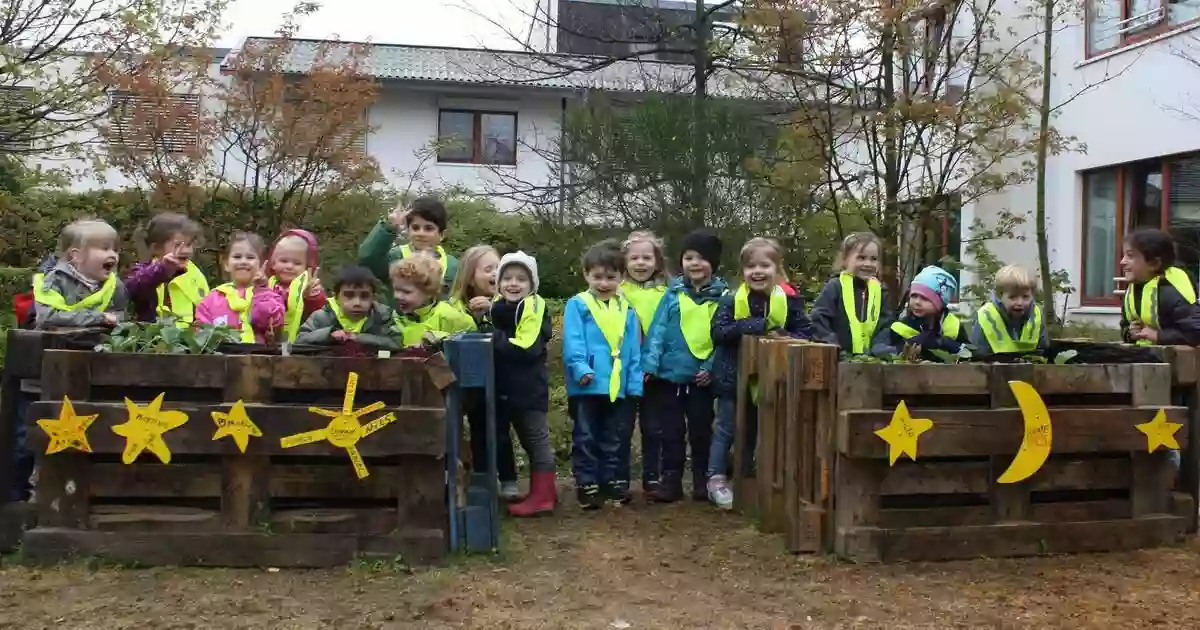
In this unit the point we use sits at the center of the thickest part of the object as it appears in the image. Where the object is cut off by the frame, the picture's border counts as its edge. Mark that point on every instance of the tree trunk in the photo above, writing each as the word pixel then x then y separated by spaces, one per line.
pixel 1043 150
pixel 699 130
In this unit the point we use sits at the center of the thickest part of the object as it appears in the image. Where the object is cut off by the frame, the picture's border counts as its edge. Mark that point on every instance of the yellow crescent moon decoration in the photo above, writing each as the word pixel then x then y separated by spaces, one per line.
pixel 1035 447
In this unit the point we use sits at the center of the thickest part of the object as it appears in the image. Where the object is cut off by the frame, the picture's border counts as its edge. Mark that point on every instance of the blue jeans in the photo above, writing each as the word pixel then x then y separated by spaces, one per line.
pixel 22 457
pixel 723 434
pixel 600 433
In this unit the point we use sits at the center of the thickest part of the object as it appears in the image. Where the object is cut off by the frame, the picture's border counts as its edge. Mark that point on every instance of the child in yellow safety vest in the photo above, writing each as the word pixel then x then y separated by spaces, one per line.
pixel 764 304
pixel 851 308
pixel 422 318
pixel 928 323
pixel 169 284
pixel 644 285
pixel 1011 323
pixel 602 356
pixel 352 317
pixel 1157 312
pixel 245 303
pixel 294 270
pixel 679 354
pixel 82 289
pixel 522 329
pixel 474 287
pixel 424 224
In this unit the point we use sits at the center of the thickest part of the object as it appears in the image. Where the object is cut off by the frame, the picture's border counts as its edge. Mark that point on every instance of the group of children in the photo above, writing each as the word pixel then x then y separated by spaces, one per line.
pixel 639 345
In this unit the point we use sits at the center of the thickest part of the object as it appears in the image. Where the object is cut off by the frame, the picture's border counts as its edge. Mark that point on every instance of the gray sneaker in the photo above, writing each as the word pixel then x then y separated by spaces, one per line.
pixel 510 491
pixel 719 492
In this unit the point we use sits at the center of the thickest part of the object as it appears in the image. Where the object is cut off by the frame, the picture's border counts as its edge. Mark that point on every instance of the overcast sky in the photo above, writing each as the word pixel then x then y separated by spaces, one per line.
pixel 424 22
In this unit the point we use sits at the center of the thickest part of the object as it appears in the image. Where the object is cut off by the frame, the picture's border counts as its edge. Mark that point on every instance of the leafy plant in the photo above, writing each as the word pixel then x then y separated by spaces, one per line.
pixel 1065 356
pixel 164 337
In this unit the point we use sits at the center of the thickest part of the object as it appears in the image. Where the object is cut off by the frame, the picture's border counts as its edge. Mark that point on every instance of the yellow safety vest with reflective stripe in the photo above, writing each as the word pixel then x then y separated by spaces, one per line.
pixel 294 315
pixel 611 321
pixel 407 250
pixel 776 317
pixel 186 291
pixel 996 333
pixel 241 306
pixel 347 324
pixel 529 322
pixel 861 331
pixel 695 321
pixel 951 326
pixel 645 301
pixel 1148 313
pixel 438 318
pixel 99 300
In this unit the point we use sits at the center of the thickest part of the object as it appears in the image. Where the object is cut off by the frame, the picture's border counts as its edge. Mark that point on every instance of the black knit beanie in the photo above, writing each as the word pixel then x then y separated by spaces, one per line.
pixel 703 242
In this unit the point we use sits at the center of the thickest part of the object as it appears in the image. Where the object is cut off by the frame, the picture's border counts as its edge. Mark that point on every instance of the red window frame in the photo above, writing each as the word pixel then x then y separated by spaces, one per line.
pixel 1128 39
pixel 477 136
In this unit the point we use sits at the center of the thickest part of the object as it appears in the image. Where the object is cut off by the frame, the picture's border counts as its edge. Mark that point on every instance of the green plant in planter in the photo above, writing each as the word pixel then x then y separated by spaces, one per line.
pixel 164 337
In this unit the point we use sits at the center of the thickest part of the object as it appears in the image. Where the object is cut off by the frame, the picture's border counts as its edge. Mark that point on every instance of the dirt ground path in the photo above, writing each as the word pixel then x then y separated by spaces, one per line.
pixel 681 566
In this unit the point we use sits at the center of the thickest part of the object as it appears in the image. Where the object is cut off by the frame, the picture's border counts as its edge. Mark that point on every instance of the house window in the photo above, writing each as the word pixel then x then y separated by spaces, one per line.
pixel 469 137
pixel 1112 24
pixel 1163 193
pixel 15 118
pixel 142 123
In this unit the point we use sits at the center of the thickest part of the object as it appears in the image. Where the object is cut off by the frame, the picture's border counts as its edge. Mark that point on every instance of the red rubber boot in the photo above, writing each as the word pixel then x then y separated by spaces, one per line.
pixel 542 496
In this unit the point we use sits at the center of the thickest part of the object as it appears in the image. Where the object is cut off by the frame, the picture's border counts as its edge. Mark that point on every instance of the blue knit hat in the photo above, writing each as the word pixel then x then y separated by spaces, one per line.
pixel 936 285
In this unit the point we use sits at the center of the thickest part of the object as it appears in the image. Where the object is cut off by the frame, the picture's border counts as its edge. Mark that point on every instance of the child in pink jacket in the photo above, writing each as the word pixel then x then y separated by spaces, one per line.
pixel 246 303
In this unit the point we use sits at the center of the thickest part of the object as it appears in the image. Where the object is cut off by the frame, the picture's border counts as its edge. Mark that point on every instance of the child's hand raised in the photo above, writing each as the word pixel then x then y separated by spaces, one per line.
pixel 479 305
pixel 314 288
pixel 397 218
pixel 174 260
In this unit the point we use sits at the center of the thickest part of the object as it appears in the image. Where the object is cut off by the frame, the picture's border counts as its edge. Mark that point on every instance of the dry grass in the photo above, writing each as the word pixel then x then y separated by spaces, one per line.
pixel 681 566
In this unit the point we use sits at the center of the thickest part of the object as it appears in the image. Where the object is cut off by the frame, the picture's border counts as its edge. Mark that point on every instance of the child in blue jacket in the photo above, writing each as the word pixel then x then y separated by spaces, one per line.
pixel 679 353
pixel 602 356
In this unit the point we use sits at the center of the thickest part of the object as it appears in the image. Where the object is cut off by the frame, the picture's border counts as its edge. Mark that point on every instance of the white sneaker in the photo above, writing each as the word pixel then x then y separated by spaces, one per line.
pixel 509 491
pixel 719 492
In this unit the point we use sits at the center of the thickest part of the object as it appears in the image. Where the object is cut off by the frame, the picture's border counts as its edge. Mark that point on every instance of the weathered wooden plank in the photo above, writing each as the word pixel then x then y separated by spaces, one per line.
pixel 857 495
pixel 1009 539
pixel 773 419
pixel 981 432
pixel 153 518
pixel 362 521
pixel 244 478
pixel 421 493
pixel 1150 384
pixel 982 514
pixel 297 481
pixel 1066 473
pixel 925 379
pixel 15 518
pixel 859 386
pixel 226 549
pixel 1152 479
pixel 23 355
pixel 64 480
pixel 332 372
pixel 1009 501
pixel 1081 379
pixel 745 488
pixel 936 477
pixel 416 431
pixel 199 371
pixel 146 480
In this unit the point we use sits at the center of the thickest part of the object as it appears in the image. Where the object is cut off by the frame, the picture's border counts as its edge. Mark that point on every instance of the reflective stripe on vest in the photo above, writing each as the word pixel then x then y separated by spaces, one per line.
pixel 695 321
pixel 423 320
pixel 860 331
pixel 996 333
pixel 347 324
pixel 1148 313
pixel 644 300
pixel 98 300
pixel 407 250
pixel 951 326
pixel 241 306
pixel 185 291
pixel 776 317
pixel 611 321
pixel 529 322
pixel 294 315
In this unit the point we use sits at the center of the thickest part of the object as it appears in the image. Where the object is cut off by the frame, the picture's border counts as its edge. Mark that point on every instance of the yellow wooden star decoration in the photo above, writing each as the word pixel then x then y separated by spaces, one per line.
pixel 1159 432
pixel 902 432
pixel 145 428
pixel 344 431
pixel 68 430
pixel 235 423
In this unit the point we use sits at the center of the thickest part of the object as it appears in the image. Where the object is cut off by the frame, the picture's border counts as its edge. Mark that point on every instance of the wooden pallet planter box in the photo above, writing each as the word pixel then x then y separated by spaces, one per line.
pixel 213 505
pixel 1100 490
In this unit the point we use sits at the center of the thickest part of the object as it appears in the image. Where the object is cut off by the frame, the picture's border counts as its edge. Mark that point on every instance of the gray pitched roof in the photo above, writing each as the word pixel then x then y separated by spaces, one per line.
pixel 507 68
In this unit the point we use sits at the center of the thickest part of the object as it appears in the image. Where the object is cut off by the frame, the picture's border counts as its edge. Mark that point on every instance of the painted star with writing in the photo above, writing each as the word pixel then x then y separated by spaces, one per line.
pixel 68 431
pixel 902 433
pixel 1159 432
pixel 235 424
pixel 145 428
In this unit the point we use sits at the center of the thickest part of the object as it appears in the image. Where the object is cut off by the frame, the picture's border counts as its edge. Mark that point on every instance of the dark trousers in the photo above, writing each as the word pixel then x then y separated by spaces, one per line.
pixel 685 415
pixel 651 432
pixel 600 432
pixel 22 457
pixel 506 463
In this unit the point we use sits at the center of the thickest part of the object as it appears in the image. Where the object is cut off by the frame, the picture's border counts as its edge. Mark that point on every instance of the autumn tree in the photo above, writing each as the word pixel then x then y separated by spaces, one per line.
pixel 278 132
pixel 56 57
